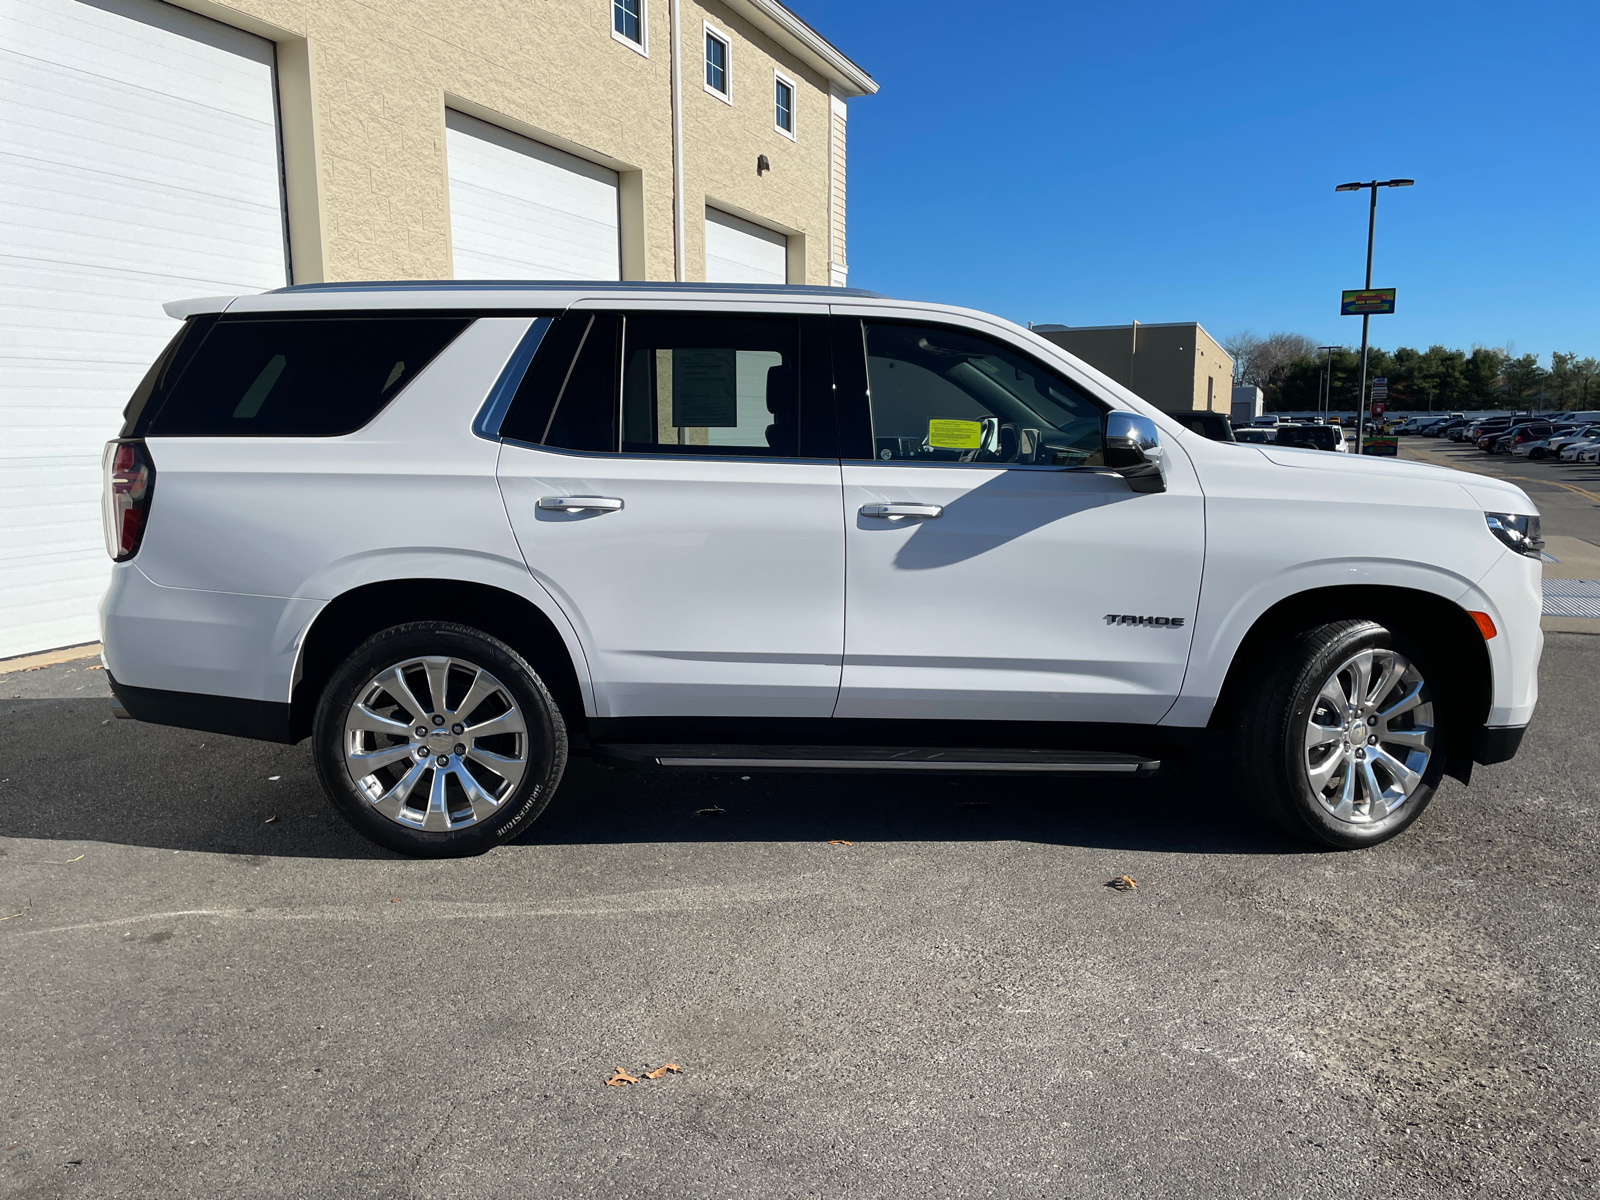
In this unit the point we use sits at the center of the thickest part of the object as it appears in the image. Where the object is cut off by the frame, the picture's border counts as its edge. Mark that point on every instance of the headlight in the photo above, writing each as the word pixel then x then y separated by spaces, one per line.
pixel 1520 534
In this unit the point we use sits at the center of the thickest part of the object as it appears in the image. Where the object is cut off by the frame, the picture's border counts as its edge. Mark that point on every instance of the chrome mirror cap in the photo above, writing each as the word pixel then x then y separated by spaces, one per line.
pixel 1133 450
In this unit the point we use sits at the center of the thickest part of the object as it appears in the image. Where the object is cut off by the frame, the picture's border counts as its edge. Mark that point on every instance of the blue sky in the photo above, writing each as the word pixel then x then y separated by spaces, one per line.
pixel 1095 163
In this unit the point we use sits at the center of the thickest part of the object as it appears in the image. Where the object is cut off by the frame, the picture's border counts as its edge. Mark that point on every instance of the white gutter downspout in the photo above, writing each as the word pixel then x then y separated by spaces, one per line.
pixel 677 147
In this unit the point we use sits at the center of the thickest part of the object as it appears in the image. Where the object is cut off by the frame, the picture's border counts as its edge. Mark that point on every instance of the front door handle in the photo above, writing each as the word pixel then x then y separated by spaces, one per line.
pixel 579 503
pixel 892 511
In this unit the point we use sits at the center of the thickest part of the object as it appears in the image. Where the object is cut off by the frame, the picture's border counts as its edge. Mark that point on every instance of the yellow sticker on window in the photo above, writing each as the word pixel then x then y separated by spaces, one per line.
pixel 955 435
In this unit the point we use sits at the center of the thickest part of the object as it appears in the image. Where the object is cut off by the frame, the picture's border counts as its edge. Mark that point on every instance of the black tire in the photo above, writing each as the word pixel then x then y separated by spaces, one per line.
pixel 1268 742
pixel 542 748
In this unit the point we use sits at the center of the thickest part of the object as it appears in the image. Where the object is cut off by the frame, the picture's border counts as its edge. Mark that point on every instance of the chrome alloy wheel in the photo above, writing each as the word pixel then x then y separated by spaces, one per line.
pixel 443 719
pixel 1370 737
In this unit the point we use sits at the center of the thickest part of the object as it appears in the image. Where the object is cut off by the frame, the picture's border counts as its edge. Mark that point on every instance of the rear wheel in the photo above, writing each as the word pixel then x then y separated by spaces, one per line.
pixel 1340 744
pixel 437 740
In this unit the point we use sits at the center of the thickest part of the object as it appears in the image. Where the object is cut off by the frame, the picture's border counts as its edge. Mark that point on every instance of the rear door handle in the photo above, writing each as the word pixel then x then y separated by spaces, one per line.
pixel 891 511
pixel 579 503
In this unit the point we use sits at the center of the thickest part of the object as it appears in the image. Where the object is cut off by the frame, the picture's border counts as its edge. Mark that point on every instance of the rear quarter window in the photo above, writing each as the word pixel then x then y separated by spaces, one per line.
pixel 299 377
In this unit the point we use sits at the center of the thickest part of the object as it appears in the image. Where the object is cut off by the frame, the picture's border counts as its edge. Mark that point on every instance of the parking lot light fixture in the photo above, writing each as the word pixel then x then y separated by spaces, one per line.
pixel 1325 391
pixel 1372 221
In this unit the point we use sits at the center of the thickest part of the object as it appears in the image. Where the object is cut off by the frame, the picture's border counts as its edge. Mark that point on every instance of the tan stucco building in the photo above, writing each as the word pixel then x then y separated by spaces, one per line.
pixel 158 151
pixel 364 90
pixel 1175 365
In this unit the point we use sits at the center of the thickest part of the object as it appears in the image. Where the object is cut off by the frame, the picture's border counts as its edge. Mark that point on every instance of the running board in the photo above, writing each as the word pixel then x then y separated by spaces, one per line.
pixel 880 758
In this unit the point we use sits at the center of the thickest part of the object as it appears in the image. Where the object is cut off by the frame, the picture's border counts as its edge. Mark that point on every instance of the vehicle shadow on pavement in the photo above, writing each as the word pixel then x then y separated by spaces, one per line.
pixel 88 778
pixel 1173 813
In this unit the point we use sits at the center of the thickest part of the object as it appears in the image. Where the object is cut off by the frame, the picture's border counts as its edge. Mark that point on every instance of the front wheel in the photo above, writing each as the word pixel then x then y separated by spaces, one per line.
pixel 437 740
pixel 1340 742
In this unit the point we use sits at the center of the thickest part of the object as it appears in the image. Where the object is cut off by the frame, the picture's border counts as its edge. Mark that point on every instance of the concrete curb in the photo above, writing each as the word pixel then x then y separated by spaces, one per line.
pixel 32 662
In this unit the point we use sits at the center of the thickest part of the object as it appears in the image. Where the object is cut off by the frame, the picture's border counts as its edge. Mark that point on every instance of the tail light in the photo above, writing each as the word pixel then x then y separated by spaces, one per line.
pixel 130 479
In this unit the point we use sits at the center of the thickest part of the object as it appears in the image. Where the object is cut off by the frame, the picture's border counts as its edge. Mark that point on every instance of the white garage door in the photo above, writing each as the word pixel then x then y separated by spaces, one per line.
pixel 523 210
pixel 738 251
pixel 138 164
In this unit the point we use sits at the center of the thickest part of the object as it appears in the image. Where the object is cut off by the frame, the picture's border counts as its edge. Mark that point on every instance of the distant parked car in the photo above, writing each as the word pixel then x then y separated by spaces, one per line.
pixel 1255 435
pixel 1486 434
pixel 1213 425
pixel 1537 448
pixel 1311 437
pixel 1573 451
pixel 1574 435
pixel 1530 431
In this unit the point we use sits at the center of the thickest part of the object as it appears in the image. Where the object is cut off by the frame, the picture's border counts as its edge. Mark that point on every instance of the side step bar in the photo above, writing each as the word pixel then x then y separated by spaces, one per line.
pixel 879 758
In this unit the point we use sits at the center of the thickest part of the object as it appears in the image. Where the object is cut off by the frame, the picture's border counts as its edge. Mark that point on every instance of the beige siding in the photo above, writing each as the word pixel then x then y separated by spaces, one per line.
pixel 838 165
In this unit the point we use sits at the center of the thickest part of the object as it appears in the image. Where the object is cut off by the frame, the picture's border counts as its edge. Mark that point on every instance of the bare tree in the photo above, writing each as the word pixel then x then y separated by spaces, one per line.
pixel 1240 347
pixel 1265 361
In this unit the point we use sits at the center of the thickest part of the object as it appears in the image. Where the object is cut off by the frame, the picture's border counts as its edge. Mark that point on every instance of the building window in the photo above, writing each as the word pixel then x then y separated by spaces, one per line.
pixel 783 105
pixel 627 23
pixel 717 64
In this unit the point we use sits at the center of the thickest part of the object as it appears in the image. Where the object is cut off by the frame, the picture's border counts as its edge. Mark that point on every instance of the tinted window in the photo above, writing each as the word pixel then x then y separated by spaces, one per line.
pixel 1314 437
pixel 942 395
pixel 151 393
pixel 585 416
pixel 710 385
pixel 300 377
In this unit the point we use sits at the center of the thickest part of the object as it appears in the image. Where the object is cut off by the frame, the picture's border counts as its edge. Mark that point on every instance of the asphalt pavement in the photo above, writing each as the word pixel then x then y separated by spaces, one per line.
pixel 211 987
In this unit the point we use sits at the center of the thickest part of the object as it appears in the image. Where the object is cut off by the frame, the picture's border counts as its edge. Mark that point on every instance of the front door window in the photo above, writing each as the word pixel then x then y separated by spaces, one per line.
pixel 940 395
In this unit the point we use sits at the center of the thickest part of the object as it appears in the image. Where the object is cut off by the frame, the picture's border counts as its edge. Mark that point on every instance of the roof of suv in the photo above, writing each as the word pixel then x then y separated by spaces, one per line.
pixel 498 293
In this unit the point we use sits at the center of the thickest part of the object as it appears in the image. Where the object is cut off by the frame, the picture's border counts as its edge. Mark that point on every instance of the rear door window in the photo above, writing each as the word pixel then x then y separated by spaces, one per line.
pixel 720 386
pixel 299 377
pixel 706 385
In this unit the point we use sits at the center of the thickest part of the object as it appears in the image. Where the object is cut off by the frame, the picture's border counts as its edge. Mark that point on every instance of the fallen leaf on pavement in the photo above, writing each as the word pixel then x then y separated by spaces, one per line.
pixel 662 1070
pixel 94 668
pixel 1123 883
pixel 840 842
pixel 620 1079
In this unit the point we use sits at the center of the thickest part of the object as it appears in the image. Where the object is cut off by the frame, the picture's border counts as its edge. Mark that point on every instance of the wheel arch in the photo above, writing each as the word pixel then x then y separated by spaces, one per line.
pixel 1440 625
pixel 355 615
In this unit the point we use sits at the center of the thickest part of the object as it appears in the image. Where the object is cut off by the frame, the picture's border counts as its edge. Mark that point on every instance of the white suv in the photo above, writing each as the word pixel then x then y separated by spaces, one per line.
pixel 453 531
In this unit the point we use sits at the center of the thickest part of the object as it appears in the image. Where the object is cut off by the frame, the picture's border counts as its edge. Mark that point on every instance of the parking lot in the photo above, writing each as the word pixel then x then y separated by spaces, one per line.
pixel 872 987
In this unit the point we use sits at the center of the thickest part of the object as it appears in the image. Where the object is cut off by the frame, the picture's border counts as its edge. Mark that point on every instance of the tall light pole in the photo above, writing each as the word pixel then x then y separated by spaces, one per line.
pixel 1372 221
pixel 1325 398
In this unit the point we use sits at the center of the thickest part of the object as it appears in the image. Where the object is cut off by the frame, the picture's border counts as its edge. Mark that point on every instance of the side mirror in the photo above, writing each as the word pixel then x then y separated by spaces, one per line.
pixel 1133 450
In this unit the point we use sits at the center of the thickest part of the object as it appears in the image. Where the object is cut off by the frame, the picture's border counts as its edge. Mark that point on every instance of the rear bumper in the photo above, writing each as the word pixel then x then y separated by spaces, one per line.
pixel 192 642
pixel 263 720
pixel 1498 743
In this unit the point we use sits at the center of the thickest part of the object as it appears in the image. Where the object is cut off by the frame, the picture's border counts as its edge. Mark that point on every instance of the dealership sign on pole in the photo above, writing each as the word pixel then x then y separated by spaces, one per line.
pixel 1366 302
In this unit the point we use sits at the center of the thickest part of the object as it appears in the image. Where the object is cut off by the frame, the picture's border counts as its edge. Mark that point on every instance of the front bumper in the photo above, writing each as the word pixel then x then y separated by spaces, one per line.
pixel 1498 744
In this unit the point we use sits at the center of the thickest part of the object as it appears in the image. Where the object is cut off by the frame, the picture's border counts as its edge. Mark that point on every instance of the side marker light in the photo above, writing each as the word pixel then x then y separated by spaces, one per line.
pixel 1485 624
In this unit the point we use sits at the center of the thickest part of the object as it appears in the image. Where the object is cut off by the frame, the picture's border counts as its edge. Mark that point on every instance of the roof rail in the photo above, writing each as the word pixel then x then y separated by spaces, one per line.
pixel 570 285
